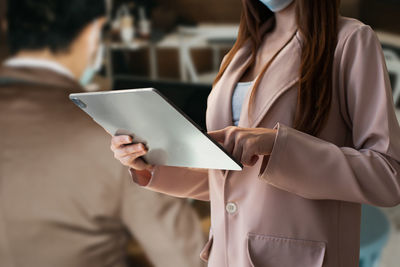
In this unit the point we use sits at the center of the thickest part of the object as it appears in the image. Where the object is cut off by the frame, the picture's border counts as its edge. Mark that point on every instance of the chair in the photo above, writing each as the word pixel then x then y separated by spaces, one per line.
pixel 212 36
pixel 393 65
pixel 375 230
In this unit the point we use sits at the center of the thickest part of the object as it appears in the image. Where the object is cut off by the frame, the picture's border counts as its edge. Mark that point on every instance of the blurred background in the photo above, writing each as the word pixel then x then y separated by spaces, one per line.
pixel 177 44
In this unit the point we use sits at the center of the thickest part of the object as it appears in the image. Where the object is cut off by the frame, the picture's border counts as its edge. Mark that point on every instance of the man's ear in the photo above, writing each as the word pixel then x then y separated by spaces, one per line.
pixel 102 21
pixel 83 48
pixel 93 28
pixel 98 25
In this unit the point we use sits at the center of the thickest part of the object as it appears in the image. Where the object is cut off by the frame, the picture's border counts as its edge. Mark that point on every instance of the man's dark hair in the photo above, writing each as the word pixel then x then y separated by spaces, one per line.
pixel 53 24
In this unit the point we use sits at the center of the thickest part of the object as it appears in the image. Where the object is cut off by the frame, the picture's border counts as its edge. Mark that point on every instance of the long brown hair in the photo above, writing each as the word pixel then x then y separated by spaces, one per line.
pixel 317 22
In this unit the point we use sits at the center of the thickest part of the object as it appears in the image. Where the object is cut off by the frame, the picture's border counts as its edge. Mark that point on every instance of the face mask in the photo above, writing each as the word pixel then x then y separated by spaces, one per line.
pixel 276 5
pixel 94 67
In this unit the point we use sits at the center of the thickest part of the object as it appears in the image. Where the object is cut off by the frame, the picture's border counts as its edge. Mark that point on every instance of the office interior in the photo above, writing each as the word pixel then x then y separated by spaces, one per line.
pixel 172 45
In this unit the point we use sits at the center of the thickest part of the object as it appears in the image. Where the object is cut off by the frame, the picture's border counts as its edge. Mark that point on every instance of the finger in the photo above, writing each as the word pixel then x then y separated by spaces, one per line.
pixel 240 139
pixel 229 145
pixel 230 139
pixel 253 160
pixel 130 149
pixel 130 160
pixel 118 141
pixel 131 156
pixel 218 136
pixel 249 156
pixel 250 160
pixel 141 164
pixel 136 161
pixel 150 167
pixel 237 152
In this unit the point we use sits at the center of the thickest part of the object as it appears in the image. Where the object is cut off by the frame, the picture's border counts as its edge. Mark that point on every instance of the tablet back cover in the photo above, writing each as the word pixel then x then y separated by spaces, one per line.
pixel 171 137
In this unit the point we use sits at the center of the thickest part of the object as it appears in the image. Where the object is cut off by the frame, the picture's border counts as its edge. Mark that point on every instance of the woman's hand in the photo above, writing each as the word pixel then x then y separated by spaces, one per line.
pixel 129 154
pixel 246 144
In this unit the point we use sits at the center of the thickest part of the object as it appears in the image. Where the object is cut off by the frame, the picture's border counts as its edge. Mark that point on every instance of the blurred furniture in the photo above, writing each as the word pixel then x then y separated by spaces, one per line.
pixel 204 36
pixel 135 45
pixel 375 230
pixel 214 36
pixel 389 39
pixel 393 65
pixel 391 49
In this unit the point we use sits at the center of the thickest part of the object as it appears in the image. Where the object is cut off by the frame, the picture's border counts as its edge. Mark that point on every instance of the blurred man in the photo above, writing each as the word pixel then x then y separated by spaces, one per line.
pixel 58 206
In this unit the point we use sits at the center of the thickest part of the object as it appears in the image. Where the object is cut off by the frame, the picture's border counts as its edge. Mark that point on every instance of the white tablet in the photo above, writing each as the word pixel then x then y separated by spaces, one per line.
pixel 172 138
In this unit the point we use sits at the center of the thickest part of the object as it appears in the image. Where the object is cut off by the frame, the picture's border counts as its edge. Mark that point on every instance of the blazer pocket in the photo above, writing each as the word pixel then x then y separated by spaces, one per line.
pixel 205 252
pixel 269 251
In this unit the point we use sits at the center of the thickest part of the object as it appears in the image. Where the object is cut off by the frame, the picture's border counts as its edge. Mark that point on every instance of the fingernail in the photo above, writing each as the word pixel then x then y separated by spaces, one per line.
pixel 128 139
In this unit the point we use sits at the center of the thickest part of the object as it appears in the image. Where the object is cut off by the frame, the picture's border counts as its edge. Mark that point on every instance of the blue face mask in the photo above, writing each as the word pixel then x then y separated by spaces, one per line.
pixel 91 70
pixel 276 5
pixel 87 76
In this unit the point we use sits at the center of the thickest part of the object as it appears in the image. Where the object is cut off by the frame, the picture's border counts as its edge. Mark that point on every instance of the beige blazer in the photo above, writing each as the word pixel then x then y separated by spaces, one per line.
pixel 64 199
pixel 304 209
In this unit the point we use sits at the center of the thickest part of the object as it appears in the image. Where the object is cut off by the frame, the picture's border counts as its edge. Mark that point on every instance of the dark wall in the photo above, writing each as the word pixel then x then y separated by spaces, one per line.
pixel 205 10
pixel 381 14
pixel 3 43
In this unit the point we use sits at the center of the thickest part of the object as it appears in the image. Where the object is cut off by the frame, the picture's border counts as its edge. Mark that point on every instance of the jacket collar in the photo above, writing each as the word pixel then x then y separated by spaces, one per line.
pixel 38 63
pixel 281 76
pixel 38 76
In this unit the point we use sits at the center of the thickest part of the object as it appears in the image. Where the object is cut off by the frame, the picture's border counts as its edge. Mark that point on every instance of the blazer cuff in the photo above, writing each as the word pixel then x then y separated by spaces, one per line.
pixel 154 181
pixel 274 164
pixel 142 178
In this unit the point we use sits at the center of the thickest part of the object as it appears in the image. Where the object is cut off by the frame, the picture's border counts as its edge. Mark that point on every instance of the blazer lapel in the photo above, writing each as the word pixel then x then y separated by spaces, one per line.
pixel 282 75
pixel 219 111
pixel 219 106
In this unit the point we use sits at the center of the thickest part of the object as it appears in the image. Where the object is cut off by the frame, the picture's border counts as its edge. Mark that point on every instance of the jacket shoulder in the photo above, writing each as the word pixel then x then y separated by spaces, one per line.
pixel 349 27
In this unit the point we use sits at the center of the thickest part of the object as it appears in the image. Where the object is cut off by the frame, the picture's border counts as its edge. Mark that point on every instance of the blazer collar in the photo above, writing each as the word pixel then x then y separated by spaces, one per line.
pixel 39 76
pixel 281 76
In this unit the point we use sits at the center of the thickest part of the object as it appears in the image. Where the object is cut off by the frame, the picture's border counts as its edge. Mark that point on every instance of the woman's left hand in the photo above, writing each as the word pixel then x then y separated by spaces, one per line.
pixel 246 144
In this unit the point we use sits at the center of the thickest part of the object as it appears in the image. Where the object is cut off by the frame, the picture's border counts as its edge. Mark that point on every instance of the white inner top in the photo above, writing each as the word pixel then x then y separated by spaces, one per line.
pixel 38 63
pixel 238 97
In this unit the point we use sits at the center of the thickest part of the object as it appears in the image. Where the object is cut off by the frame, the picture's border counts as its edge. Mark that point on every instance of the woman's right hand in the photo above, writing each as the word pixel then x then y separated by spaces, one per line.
pixel 130 154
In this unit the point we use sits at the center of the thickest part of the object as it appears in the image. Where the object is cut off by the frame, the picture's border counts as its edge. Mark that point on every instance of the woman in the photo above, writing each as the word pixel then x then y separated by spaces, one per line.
pixel 317 135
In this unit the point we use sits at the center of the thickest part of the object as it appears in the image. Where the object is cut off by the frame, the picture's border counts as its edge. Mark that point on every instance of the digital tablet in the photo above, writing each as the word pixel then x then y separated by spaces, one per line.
pixel 171 137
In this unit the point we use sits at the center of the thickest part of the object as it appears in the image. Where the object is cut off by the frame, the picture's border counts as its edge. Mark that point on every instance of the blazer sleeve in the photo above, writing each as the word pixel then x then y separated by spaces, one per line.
pixel 163 225
pixel 368 172
pixel 179 182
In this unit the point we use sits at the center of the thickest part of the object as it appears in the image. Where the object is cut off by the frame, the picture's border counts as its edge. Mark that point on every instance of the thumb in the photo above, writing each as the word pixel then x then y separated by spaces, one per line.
pixel 253 160
pixel 218 136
